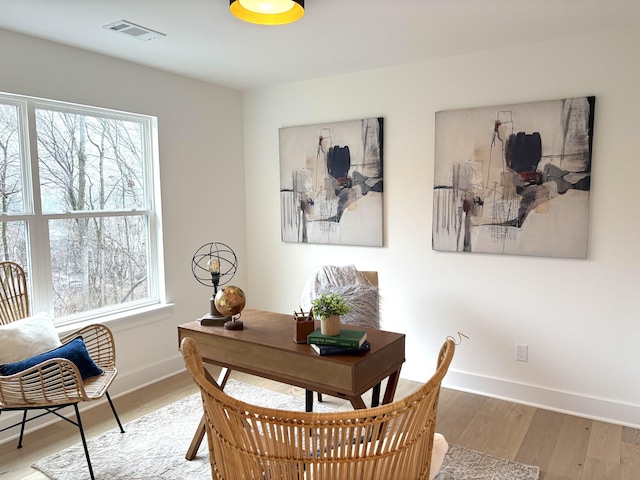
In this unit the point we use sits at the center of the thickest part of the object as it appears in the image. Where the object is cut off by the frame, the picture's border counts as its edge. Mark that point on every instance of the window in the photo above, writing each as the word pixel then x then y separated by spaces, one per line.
pixel 80 207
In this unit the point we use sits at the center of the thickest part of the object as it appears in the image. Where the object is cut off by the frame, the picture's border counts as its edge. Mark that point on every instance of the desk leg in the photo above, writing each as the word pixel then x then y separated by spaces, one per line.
pixel 357 403
pixel 197 440
pixel 222 378
pixel 390 391
pixel 202 428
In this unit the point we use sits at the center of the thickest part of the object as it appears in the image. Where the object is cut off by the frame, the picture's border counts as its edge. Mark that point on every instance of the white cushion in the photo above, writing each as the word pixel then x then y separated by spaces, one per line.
pixel 440 447
pixel 27 337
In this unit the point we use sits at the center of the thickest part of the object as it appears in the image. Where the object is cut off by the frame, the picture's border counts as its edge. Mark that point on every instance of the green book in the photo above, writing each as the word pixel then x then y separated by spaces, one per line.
pixel 346 338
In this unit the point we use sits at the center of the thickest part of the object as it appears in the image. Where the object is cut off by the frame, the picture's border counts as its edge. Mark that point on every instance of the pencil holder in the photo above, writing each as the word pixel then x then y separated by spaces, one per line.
pixel 303 325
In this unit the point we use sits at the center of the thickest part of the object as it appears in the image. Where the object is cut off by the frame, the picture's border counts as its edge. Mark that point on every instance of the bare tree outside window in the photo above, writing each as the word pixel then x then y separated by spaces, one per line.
pixel 12 233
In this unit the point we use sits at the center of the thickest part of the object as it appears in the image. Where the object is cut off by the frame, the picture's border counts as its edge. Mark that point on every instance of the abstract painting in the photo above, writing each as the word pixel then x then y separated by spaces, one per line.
pixel 514 179
pixel 331 183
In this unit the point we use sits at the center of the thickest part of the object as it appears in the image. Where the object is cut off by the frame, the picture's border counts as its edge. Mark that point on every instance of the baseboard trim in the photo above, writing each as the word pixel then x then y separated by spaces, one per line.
pixel 602 409
pixel 144 377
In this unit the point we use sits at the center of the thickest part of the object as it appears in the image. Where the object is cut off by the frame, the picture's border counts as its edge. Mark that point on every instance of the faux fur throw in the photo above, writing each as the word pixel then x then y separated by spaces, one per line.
pixel 354 287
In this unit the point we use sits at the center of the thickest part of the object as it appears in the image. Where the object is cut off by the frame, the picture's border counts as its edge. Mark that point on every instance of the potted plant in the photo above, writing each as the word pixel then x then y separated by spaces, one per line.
pixel 328 307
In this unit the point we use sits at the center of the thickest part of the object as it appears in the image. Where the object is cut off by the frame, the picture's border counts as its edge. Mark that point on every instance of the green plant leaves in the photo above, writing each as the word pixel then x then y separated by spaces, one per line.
pixel 329 304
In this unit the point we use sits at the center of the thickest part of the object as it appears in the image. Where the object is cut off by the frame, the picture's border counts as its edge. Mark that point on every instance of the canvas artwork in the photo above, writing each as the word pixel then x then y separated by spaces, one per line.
pixel 331 183
pixel 514 179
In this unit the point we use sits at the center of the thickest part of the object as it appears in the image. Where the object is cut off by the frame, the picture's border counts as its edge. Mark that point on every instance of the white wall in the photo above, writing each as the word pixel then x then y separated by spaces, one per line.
pixel 579 317
pixel 201 169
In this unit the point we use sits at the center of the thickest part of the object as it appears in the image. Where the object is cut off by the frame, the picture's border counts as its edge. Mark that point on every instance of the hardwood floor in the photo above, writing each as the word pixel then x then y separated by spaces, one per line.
pixel 565 447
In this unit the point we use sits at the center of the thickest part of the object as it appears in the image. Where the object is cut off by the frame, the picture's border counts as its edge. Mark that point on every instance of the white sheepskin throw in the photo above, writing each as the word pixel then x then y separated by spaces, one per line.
pixel 440 447
pixel 355 288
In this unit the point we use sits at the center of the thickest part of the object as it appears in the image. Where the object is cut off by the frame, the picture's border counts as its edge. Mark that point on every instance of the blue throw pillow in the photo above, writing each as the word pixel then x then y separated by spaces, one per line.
pixel 75 351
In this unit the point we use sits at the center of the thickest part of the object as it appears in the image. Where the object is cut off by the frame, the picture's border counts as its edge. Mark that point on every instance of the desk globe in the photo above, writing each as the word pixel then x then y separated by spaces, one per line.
pixel 230 301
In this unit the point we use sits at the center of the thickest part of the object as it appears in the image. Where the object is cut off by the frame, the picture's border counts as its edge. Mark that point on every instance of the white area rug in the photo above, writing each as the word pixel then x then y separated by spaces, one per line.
pixel 464 464
pixel 154 446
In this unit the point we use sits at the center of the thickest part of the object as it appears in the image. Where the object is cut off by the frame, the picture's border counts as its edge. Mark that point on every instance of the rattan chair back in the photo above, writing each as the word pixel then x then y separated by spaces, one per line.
pixel 14 297
pixel 392 441
pixel 55 383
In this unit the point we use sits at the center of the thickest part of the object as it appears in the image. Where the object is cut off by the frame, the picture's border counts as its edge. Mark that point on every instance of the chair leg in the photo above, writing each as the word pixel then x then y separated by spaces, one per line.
pixel 308 400
pixel 115 414
pixel 84 441
pixel 375 396
pixel 24 420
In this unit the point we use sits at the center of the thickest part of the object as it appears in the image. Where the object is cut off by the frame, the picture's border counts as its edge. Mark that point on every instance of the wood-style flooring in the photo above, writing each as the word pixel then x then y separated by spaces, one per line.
pixel 565 447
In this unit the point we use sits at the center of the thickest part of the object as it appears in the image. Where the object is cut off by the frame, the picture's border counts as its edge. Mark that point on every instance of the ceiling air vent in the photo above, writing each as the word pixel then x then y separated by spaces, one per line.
pixel 133 30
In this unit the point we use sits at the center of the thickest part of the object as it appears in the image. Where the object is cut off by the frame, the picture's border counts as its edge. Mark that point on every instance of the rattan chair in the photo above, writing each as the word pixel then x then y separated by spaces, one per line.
pixel 56 383
pixel 14 298
pixel 392 441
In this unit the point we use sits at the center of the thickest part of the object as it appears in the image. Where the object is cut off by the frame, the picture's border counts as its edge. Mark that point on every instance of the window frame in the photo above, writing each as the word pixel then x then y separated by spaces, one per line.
pixel 37 223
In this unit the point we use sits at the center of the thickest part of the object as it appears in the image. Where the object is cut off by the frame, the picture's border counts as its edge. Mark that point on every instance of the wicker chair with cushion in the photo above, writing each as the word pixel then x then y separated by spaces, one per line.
pixel 385 442
pixel 39 370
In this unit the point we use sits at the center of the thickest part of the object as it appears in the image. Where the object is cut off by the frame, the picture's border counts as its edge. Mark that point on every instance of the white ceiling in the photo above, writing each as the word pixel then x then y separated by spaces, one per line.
pixel 204 41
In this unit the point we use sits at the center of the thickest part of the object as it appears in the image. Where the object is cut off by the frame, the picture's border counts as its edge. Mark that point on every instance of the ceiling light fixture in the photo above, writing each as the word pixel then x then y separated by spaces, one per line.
pixel 267 12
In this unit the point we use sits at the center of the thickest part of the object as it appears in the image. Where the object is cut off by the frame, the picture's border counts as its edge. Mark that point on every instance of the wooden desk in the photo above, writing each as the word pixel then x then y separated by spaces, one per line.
pixel 266 348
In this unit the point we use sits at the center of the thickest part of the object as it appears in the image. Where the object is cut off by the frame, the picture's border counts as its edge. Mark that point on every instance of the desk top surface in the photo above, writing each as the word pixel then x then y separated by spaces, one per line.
pixel 276 330
pixel 265 347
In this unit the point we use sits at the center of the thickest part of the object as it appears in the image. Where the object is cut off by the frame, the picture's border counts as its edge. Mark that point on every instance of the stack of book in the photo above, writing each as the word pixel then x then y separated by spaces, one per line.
pixel 348 341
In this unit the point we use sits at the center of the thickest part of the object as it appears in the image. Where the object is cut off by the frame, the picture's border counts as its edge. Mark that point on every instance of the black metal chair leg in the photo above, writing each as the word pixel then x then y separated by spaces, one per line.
pixel 308 400
pixel 319 396
pixel 115 414
pixel 375 395
pixel 24 420
pixel 84 441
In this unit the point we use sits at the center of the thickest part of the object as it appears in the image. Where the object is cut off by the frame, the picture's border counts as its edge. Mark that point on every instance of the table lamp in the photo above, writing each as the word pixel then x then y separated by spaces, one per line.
pixel 213 265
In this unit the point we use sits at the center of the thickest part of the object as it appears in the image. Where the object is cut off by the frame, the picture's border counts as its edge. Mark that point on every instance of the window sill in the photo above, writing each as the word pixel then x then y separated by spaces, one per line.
pixel 125 320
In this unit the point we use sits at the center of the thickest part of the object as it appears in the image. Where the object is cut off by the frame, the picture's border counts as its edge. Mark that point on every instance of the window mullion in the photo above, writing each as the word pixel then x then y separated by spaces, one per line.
pixel 154 224
pixel 40 258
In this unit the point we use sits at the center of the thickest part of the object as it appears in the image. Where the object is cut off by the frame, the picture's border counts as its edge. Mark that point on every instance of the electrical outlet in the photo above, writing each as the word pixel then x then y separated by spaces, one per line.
pixel 522 352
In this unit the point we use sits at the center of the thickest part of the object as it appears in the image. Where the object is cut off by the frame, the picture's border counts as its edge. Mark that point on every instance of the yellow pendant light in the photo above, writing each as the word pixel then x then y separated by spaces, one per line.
pixel 267 12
